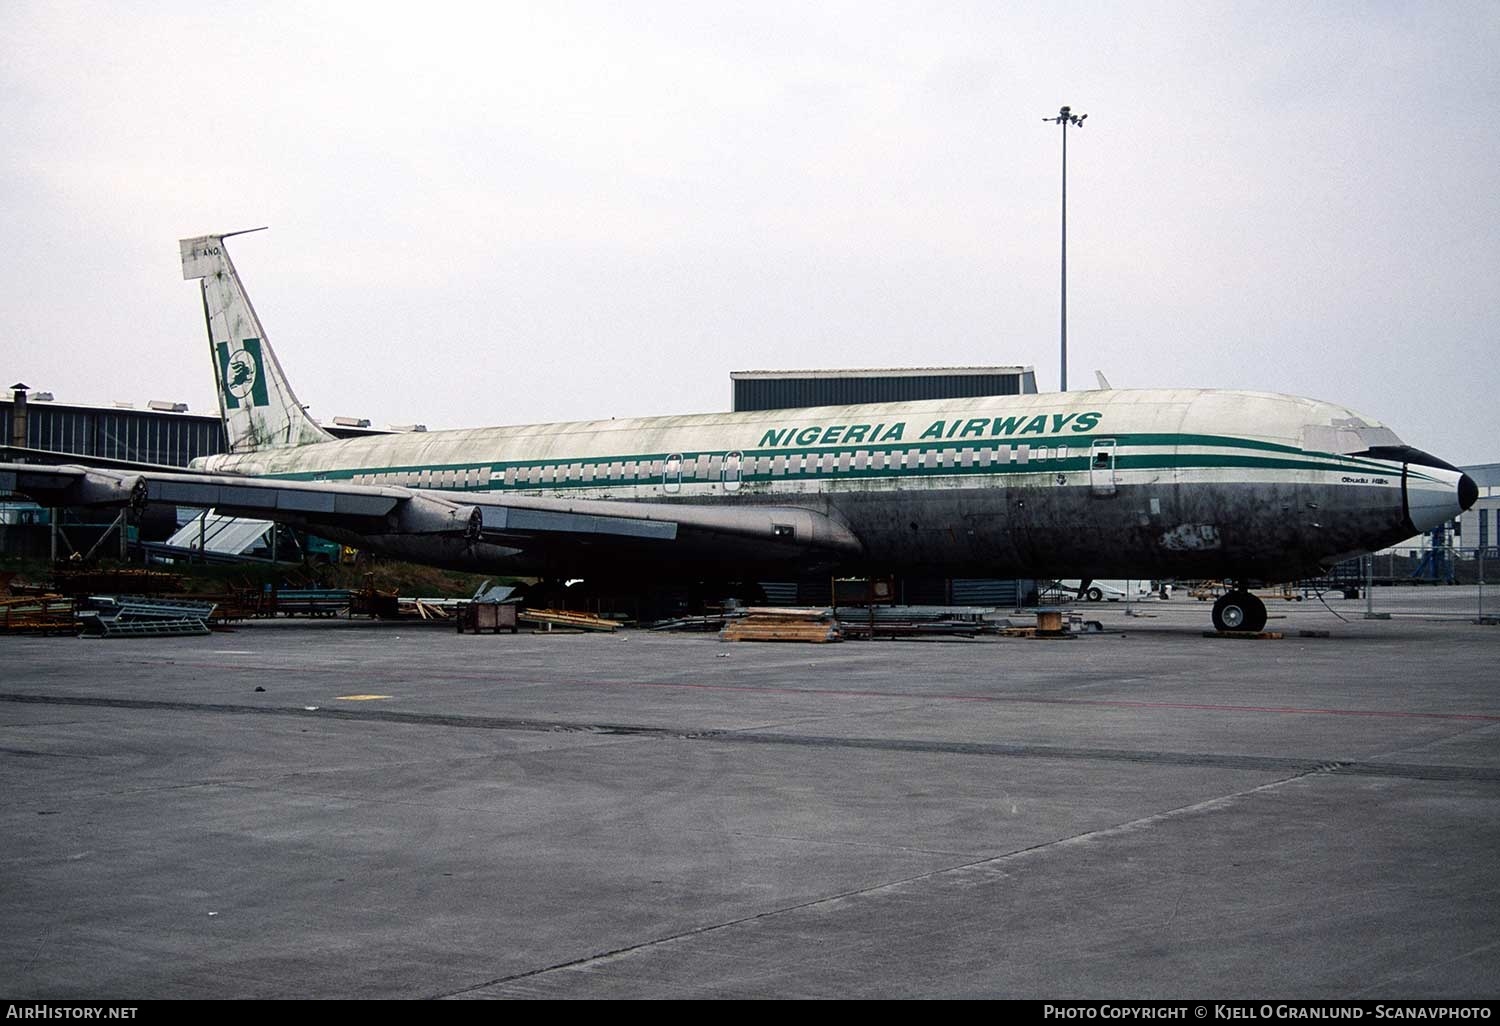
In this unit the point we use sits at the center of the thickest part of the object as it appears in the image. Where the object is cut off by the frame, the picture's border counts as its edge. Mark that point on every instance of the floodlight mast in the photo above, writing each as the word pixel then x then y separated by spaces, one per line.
pixel 1065 117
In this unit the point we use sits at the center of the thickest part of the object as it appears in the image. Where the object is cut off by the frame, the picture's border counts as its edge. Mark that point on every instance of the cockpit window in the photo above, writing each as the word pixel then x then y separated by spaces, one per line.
pixel 1348 437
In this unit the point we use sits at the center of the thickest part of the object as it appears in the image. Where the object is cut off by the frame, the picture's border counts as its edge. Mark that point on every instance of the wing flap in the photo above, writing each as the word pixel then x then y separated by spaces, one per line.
pixel 511 521
pixel 782 526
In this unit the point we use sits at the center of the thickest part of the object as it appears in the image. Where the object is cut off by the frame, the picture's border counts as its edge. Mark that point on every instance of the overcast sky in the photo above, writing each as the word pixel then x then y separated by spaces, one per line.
pixel 510 213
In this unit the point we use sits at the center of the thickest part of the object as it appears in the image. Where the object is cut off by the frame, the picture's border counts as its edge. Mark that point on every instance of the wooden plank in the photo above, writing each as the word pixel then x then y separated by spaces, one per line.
pixel 582 621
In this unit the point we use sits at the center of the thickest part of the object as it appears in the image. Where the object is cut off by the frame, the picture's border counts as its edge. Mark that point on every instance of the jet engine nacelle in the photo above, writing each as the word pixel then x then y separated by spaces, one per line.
pixel 75 486
pixel 425 515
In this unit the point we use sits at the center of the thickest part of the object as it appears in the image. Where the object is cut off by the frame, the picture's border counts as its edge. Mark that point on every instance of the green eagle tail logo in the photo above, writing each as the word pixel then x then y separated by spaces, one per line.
pixel 242 374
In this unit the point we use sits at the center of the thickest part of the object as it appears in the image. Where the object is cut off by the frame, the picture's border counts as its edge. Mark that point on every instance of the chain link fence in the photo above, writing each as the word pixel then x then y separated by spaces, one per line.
pixel 1446 582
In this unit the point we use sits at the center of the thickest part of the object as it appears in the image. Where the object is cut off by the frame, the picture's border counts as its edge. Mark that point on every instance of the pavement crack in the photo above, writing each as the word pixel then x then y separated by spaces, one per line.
pixel 1425 967
pixel 682 935
pixel 974 864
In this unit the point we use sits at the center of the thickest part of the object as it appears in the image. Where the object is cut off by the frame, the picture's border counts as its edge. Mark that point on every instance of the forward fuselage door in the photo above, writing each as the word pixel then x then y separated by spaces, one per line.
pixel 671 478
pixel 731 472
pixel 1102 467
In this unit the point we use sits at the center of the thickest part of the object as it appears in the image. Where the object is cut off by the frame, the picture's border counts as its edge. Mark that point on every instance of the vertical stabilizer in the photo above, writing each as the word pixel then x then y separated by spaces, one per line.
pixel 260 410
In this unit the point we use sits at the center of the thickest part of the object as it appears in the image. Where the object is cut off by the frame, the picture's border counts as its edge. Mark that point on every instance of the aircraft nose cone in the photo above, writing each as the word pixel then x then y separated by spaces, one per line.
pixel 1468 492
pixel 1435 495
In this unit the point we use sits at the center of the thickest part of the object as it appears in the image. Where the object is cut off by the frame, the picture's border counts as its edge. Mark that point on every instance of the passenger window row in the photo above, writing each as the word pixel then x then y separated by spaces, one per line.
pixel 729 468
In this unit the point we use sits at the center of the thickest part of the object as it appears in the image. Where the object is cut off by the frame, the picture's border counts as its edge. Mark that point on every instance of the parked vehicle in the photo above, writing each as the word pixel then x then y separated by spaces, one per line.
pixel 1102 591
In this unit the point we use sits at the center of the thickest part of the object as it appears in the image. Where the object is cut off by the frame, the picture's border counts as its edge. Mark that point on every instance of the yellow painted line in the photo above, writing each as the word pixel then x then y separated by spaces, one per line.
pixel 360 698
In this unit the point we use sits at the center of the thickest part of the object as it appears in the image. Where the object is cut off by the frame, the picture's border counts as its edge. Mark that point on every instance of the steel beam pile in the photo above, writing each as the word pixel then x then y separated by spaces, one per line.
pixel 131 616
pixel 911 621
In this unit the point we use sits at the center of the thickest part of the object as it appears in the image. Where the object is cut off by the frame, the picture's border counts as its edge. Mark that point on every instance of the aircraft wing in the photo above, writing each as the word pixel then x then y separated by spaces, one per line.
pixel 548 531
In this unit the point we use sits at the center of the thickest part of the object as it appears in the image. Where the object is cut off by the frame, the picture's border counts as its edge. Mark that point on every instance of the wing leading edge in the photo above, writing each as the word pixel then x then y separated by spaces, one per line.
pixel 544 532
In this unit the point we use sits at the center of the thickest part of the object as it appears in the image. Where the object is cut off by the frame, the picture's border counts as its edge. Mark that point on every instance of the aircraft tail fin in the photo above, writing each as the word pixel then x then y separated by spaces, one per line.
pixel 260 410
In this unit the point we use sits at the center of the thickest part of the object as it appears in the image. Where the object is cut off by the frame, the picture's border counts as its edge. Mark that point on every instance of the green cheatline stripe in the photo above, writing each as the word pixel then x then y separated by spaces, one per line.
pixel 1080 442
pixel 1184 461
pixel 1080 464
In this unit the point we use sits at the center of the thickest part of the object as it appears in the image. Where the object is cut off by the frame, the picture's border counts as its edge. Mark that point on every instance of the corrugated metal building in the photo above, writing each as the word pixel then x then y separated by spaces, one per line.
pixel 162 433
pixel 1479 528
pixel 169 437
pixel 786 390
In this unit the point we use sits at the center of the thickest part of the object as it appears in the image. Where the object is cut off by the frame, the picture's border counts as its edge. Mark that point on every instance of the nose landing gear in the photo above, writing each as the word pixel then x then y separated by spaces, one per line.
pixel 1239 611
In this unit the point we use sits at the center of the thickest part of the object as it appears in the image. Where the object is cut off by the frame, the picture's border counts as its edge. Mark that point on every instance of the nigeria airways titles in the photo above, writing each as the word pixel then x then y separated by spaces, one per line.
pixel 938 430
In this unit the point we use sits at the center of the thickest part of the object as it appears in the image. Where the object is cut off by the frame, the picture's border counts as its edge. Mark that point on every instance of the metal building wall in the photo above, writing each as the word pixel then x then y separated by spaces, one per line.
pixel 142 436
pixel 783 393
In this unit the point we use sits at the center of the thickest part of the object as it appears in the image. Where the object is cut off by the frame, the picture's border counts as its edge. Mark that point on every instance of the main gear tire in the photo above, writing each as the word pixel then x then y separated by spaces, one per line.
pixel 1239 611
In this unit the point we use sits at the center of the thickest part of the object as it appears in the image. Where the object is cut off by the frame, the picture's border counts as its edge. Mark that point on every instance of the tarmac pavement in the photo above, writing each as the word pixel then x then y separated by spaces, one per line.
pixel 405 812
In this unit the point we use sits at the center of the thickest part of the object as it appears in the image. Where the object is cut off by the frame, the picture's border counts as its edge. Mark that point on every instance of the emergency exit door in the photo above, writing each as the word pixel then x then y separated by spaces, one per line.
pixel 1102 467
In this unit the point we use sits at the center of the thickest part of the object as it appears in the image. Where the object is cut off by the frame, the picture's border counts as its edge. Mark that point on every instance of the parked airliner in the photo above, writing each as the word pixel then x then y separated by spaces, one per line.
pixel 1156 483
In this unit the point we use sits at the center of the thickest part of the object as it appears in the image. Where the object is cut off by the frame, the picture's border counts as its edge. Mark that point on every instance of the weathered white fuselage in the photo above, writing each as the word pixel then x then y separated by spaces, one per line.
pixel 1143 483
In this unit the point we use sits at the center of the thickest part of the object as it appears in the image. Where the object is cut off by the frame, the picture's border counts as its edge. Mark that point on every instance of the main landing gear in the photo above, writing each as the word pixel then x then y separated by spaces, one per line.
pixel 1239 611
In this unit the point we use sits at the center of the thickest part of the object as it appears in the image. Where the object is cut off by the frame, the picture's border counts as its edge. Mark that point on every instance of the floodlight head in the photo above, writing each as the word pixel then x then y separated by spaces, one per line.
pixel 1066 117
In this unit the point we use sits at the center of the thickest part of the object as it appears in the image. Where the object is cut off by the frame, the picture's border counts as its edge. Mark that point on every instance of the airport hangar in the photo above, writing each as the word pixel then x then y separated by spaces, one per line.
pixel 166 433
pixel 1479 526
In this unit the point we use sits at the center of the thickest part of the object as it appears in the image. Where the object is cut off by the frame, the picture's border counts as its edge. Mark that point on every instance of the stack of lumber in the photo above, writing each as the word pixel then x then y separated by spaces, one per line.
pixel 128 580
pixel 40 614
pixel 1205 590
pixel 551 618
pixel 761 623
pixel 231 605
